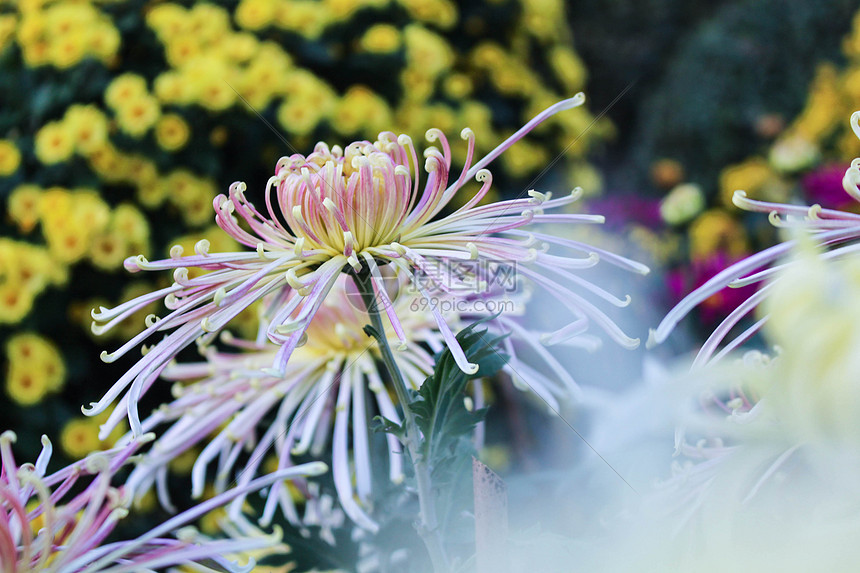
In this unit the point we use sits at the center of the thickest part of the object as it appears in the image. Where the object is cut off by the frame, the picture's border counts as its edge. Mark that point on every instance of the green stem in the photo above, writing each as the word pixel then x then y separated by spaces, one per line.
pixel 429 524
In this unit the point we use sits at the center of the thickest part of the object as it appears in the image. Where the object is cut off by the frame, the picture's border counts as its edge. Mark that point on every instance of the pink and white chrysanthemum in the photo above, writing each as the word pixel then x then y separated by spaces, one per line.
pixel 232 395
pixel 355 210
pixel 233 404
pixel 837 231
pixel 45 528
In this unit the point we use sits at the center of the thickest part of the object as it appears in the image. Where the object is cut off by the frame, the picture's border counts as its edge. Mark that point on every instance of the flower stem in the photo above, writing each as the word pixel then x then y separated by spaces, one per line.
pixel 428 527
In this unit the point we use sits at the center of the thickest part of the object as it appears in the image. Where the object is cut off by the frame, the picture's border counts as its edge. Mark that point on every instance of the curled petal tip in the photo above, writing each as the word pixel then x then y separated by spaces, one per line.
pixel 95 314
pixel 314 468
pixel 738 198
pixel 98 329
pixel 134 264
pixel 575 101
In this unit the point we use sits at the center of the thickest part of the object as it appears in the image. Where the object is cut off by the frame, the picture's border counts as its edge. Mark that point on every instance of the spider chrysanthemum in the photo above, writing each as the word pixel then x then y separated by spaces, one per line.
pixel 61 522
pixel 356 210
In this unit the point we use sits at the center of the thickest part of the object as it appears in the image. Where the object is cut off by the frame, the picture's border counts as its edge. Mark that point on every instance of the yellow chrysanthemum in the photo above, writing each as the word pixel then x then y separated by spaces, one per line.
pixel 240 47
pixel 108 250
pixel 168 20
pixel 24 206
pixel 68 49
pixel 255 14
pixel 25 386
pixel 35 368
pixel 106 161
pixel 55 142
pixel 208 22
pixel 64 17
pixel 381 39
pixel 300 117
pixel 56 202
pixel 140 170
pixel 15 302
pixel 181 50
pixel 29 267
pixel 457 86
pixel 181 185
pixel 171 87
pixel 716 230
pixel 152 194
pixel 89 126
pixel 303 17
pixel 10 157
pixel 130 222
pixel 440 13
pixel 79 437
pixel 137 115
pixel 70 225
pixel 216 94
pixel 426 51
pixel 68 243
pixel 104 41
pixel 124 88
pixel 90 210
pixel 192 195
pixel 197 210
pixel 749 176
pixel 172 132
pixel 359 109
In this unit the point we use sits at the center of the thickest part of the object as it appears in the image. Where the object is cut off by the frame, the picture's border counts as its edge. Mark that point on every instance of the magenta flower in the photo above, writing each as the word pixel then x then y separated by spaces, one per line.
pixel 824 186
pixel 833 229
pixel 355 210
pixel 45 528
pixel 720 304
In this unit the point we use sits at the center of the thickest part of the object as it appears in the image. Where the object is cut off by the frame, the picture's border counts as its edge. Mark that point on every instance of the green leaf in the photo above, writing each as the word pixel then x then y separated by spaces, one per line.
pixel 383 424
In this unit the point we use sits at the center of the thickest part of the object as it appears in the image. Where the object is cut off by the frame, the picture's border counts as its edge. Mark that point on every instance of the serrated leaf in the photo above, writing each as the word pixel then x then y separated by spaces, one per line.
pixel 383 424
